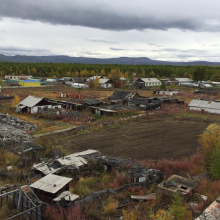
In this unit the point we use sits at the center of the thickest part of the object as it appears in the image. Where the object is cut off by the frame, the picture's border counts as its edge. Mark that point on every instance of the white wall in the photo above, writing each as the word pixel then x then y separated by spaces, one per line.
pixel 210 110
pixel 35 109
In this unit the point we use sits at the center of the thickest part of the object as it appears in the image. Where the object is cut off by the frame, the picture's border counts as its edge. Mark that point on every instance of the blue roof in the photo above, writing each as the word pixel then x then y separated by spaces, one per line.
pixel 27 81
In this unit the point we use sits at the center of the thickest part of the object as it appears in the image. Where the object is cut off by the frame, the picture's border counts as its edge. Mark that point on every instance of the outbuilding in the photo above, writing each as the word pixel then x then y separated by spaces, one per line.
pixel 50 187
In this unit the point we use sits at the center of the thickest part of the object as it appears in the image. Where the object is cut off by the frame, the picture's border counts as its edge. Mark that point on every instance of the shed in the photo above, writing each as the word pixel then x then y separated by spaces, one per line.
pixel 50 186
pixel 177 184
pixel 205 105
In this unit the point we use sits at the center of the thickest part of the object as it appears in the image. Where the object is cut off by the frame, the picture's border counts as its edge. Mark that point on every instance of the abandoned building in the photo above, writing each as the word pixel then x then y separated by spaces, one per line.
pixel 33 105
pixel 205 106
pixel 50 187
pixel 122 97
pixel 65 198
pixel 212 212
pixel 133 171
pixel 145 105
pixel 177 184
pixel 70 162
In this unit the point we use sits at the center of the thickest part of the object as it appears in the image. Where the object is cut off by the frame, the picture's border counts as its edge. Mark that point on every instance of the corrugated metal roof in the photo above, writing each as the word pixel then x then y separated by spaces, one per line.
pixel 150 80
pixel 67 195
pixel 183 79
pixel 204 104
pixel 51 183
pixel 30 101
pixel 104 80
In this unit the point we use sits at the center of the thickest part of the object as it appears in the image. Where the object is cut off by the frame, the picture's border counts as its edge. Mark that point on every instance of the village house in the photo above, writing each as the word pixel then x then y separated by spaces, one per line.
pixel 106 83
pixel 205 106
pixel 50 187
pixel 179 81
pixel 33 105
pixel 148 82
pixel 122 97
pixel 177 184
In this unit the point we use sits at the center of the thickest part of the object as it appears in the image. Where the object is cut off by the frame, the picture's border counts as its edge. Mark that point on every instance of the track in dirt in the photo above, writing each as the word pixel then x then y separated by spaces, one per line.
pixel 148 139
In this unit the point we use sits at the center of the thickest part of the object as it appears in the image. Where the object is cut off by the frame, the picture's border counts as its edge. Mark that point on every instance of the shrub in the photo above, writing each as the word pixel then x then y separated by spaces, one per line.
pixel 110 208
pixel 215 164
pixel 177 209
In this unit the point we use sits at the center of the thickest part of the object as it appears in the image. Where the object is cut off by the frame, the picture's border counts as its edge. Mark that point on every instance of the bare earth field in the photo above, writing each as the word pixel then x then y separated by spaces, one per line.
pixel 149 139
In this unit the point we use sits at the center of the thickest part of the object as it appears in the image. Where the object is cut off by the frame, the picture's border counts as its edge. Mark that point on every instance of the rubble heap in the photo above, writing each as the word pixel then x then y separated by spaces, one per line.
pixel 5 119
pixel 14 130
pixel 9 134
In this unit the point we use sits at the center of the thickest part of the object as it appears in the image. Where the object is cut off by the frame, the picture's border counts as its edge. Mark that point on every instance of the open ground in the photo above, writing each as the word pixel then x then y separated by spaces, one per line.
pixel 147 139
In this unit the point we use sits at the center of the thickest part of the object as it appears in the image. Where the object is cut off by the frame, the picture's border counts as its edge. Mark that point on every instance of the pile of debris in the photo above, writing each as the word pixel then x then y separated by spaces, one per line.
pixel 14 130
pixel 9 135
pixel 5 119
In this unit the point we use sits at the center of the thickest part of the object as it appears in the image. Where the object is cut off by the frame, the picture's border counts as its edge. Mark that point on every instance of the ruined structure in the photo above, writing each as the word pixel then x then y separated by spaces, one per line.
pixel 177 184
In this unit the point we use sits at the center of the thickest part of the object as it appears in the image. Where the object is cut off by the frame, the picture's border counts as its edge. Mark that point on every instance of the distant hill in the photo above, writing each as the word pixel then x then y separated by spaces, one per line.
pixel 86 60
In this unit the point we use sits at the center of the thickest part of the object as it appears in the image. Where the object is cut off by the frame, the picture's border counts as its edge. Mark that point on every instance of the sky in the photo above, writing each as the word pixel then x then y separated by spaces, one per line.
pixel 169 30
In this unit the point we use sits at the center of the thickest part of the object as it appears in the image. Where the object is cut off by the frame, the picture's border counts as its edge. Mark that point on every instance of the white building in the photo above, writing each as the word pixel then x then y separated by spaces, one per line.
pixel 33 105
pixel 166 92
pixel 106 83
pixel 206 106
pixel 180 81
pixel 18 77
pixel 79 86
pixel 149 81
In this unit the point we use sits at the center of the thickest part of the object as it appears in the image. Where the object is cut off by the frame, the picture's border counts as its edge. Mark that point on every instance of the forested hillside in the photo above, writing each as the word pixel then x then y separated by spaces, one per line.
pixel 59 70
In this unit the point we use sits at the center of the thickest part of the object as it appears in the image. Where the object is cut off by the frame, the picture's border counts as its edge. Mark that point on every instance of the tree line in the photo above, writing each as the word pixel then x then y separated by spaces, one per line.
pixel 54 70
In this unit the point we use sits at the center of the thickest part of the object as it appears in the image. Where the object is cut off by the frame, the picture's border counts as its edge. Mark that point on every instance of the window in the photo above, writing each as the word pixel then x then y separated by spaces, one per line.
pixel 183 187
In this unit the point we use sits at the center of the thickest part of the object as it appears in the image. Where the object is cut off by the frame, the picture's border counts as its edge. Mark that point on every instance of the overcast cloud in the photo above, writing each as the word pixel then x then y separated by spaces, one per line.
pixel 168 30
